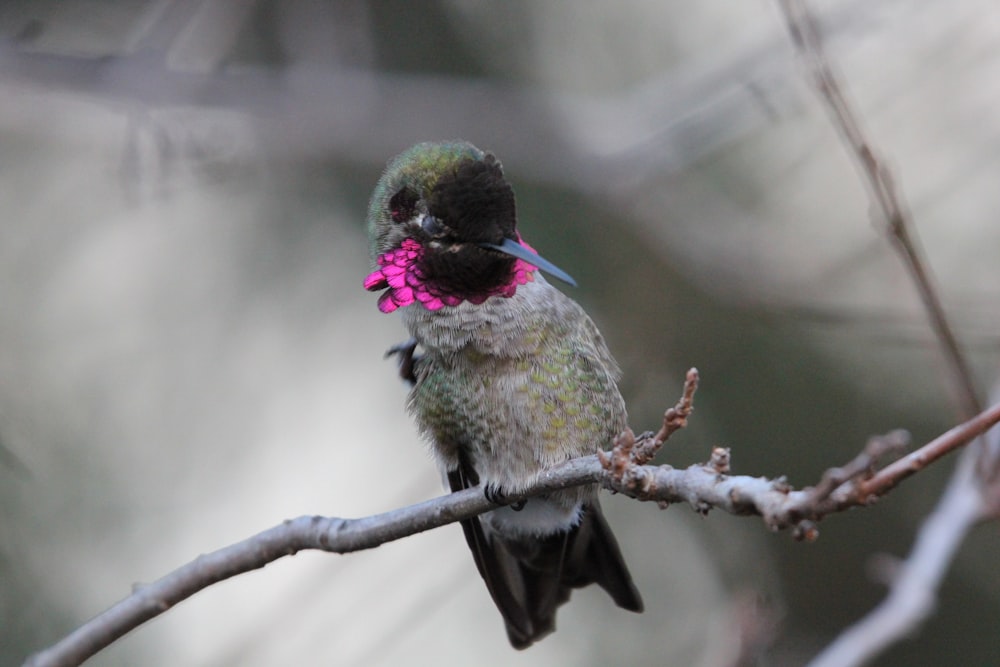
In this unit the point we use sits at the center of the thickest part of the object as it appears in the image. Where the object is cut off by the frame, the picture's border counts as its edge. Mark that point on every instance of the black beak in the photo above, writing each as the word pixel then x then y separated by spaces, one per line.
pixel 515 249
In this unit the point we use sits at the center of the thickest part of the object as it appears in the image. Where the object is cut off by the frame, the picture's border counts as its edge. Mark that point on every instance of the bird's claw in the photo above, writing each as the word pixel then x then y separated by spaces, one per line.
pixel 407 360
pixel 496 495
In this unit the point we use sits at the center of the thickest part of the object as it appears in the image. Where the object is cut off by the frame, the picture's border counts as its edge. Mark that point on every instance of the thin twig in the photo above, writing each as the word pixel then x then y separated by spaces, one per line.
pixel 893 474
pixel 912 594
pixel 863 465
pixel 642 449
pixel 709 486
pixel 895 218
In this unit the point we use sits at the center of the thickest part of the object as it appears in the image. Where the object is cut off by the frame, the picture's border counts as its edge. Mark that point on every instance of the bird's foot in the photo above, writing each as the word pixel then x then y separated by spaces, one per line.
pixel 407 360
pixel 496 495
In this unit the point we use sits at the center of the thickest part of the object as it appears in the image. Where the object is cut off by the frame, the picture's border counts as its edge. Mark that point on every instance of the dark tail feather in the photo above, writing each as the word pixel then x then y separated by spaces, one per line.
pixel 552 567
pixel 596 557
pixel 530 579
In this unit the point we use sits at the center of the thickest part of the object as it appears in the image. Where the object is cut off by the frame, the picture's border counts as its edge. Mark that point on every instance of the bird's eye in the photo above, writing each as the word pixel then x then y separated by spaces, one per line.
pixel 432 225
pixel 403 205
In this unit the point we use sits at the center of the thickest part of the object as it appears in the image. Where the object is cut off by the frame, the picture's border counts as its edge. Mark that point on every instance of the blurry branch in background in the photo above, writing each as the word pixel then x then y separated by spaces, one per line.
pixel 12 461
pixel 704 487
pixel 969 496
pixel 894 216
pixel 177 64
pixel 913 588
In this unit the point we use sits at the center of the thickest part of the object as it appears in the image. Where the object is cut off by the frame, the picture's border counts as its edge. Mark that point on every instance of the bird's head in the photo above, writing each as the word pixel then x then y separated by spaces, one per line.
pixel 442 226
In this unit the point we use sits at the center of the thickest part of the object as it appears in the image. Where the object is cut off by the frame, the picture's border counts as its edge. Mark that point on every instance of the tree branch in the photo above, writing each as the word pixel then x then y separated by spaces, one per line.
pixel 876 175
pixel 912 595
pixel 968 496
pixel 857 484
pixel 703 487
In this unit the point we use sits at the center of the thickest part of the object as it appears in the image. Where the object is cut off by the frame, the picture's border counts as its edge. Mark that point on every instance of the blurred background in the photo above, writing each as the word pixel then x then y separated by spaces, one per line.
pixel 187 355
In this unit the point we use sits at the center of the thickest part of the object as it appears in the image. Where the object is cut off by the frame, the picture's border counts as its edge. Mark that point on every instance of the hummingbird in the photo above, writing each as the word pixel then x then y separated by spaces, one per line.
pixel 512 377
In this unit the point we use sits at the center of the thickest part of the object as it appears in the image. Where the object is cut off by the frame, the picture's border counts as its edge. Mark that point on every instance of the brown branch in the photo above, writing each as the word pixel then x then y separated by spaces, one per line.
pixel 704 487
pixel 989 467
pixel 857 484
pixel 896 219
pixel 913 590
pixel 893 474
pixel 912 594
pixel 331 534
pixel 641 450
pixel 863 465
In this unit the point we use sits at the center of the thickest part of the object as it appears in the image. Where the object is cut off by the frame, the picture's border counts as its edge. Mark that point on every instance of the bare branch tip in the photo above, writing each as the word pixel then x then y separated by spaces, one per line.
pixel 781 485
pixel 806 531
pixel 691 378
pixel 674 419
pixel 892 443
pixel 720 460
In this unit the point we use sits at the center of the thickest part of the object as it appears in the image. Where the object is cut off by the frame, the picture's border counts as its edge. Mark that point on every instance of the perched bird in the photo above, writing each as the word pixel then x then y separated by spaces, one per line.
pixel 513 377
